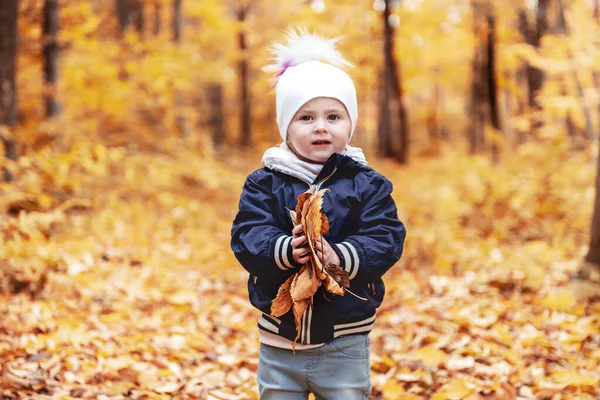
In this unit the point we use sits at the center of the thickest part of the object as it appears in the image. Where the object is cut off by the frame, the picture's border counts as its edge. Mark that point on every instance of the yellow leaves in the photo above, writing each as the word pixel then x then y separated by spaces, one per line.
pixel 431 356
pixel 455 390
pixel 394 391
pixel 558 301
pixel 576 379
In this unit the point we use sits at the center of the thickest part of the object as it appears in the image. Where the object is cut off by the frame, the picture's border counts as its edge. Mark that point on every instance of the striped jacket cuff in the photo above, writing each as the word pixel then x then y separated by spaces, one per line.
pixel 349 260
pixel 283 253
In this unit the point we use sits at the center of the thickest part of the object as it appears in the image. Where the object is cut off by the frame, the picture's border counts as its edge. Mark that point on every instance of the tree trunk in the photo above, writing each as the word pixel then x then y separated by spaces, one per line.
pixel 533 36
pixel 593 255
pixel 393 116
pixel 51 50
pixel 383 128
pixel 492 82
pixel 138 17
pixel 123 8
pixel 479 85
pixel 156 25
pixel 245 128
pixel 216 107
pixel 8 94
pixel 177 21
pixel 180 121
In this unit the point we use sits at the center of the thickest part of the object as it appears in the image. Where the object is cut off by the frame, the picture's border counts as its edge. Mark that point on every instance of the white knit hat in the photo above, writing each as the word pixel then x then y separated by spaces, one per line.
pixel 307 67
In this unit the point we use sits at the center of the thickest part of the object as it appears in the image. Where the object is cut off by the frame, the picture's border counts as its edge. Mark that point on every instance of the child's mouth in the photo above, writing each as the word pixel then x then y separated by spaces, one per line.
pixel 321 142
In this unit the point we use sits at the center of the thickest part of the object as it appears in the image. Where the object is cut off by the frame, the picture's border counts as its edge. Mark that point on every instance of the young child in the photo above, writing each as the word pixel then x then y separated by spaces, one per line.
pixel 316 114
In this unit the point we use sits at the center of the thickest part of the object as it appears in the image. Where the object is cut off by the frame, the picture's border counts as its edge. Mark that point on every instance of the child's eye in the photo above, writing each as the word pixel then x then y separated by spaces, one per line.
pixel 333 117
pixel 305 118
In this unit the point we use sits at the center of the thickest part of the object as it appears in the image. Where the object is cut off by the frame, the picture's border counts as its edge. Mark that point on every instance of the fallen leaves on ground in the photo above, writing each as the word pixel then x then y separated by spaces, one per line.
pixel 135 293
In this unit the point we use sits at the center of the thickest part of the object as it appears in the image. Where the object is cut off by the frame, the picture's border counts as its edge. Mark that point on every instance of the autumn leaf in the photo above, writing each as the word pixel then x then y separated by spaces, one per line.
pixel 283 301
pixel 304 284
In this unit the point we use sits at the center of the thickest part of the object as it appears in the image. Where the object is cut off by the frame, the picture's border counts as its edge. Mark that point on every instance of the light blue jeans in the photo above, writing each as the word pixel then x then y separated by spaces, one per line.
pixel 338 370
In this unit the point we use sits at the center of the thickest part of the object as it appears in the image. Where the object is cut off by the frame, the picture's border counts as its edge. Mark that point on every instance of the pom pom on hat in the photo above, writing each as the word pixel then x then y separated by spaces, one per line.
pixel 302 46
pixel 309 66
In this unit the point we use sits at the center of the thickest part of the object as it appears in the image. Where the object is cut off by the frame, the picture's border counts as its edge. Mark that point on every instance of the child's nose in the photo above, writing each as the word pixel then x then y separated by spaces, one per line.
pixel 320 126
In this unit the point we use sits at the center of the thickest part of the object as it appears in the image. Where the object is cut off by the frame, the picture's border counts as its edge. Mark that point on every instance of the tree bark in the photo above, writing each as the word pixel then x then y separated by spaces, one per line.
pixel 180 120
pixel 8 93
pixel 479 84
pixel 138 17
pixel 492 82
pixel 245 116
pixel 216 106
pixel 156 25
pixel 177 21
pixel 593 255
pixel 51 51
pixel 533 36
pixel 123 14
pixel 393 116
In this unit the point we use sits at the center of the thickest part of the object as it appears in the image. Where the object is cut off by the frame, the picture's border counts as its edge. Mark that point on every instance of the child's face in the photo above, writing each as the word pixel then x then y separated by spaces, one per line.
pixel 320 128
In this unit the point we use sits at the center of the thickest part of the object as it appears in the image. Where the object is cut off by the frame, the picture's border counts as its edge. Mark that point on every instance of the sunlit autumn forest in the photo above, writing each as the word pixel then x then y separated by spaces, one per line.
pixel 128 128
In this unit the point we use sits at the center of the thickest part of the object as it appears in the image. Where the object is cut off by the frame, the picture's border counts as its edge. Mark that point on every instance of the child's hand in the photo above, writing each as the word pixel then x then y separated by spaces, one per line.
pixel 325 253
pixel 301 249
pixel 300 246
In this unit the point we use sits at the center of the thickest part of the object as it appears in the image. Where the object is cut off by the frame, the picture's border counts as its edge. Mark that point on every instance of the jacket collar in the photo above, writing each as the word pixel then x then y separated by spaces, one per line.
pixel 282 159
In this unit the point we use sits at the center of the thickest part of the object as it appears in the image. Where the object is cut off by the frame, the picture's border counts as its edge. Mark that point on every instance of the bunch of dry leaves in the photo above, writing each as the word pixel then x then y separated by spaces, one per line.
pixel 297 291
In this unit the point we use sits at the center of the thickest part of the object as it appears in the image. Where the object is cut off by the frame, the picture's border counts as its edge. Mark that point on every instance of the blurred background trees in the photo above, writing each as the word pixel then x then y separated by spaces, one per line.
pixel 481 76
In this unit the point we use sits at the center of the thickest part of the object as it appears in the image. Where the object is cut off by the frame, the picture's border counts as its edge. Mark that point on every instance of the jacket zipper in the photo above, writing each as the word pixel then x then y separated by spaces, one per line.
pixel 316 186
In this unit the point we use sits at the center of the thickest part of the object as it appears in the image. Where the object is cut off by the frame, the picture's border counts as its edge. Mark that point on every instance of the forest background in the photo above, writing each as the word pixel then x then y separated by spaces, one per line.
pixel 128 128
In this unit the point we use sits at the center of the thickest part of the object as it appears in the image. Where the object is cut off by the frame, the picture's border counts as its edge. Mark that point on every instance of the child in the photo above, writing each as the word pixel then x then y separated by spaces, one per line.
pixel 316 114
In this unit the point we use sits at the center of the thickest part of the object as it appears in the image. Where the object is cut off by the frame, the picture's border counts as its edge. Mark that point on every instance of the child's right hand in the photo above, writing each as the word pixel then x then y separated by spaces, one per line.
pixel 300 249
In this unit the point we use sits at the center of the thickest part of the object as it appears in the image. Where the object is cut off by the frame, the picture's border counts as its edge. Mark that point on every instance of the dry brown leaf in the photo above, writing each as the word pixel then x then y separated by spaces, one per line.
pixel 283 302
pixel 304 285
pixel 301 200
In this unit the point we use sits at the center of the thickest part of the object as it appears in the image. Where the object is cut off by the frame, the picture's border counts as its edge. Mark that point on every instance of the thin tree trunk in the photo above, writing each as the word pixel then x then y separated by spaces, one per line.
pixel 156 25
pixel 393 116
pixel 123 15
pixel 177 21
pixel 383 128
pixel 51 50
pixel 404 129
pixel 138 17
pixel 479 85
pixel 492 82
pixel 217 120
pixel 8 93
pixel 593 255
pixel 245 128
pixel 180 121
pixel 535 76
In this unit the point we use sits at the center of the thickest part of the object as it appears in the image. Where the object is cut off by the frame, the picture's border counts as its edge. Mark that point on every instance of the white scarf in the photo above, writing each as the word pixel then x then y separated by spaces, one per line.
pixel 281 158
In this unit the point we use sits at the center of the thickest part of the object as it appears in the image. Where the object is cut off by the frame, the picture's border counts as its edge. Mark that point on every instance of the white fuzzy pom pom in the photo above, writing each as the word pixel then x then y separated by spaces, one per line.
pixel 301 47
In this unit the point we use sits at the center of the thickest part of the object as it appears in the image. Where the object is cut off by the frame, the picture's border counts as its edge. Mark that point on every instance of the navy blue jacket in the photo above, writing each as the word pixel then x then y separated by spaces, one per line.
pixel 364 231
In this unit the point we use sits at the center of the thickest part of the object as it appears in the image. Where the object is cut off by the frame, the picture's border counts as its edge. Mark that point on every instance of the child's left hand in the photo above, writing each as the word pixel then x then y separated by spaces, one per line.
pixel 325 253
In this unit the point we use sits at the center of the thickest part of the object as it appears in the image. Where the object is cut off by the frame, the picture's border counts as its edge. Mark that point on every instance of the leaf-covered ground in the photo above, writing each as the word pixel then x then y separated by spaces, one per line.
pixel 122 284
